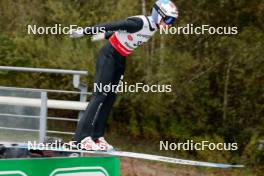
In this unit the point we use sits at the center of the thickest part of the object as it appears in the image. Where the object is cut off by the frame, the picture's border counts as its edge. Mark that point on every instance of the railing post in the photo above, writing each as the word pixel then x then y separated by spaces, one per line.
pixel 83 97
pixel 43 117
pixel 83 89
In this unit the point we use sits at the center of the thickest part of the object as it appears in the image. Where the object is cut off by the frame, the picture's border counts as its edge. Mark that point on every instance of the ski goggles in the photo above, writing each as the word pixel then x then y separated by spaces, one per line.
pixel 169 20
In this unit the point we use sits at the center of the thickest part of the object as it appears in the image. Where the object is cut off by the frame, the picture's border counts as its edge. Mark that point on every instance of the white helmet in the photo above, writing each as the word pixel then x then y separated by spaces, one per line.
pixel 166 10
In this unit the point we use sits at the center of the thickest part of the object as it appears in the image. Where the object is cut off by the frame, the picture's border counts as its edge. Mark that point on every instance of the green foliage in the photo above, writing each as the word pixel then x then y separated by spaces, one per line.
pixel 251 155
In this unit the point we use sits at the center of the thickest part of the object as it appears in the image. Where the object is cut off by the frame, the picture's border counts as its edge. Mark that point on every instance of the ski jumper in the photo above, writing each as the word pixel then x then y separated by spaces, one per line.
pixel 124 36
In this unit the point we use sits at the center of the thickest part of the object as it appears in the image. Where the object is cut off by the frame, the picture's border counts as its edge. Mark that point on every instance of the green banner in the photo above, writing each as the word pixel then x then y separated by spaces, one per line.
pixel 77 166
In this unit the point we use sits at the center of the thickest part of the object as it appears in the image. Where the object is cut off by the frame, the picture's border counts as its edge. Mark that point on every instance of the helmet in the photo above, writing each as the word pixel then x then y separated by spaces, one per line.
pixel 166 10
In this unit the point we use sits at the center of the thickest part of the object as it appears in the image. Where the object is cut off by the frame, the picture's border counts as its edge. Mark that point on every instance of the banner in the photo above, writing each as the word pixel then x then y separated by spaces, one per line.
pixel 79 166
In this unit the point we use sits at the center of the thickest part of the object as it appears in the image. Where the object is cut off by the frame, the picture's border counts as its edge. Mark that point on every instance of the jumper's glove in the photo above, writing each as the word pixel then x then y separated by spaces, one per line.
pixel 98 37
pixel 74 33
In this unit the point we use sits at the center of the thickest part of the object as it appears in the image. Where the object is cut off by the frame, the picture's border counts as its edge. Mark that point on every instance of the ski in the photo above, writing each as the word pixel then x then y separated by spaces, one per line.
pixel 141 156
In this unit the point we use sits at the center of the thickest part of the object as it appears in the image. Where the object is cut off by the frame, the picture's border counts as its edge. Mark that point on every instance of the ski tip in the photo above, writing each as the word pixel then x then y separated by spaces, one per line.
pixel 225 166
pixel 238 166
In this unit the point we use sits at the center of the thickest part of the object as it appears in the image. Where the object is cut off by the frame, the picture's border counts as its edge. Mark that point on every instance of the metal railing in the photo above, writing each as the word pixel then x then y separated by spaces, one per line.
pixel 76 74
pixel 76 81
pixel 43 70
pixel 43 102
pixel 5 101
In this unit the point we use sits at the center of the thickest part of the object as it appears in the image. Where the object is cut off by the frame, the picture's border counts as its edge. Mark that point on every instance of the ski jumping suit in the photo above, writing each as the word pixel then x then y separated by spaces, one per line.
pixel 124 37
